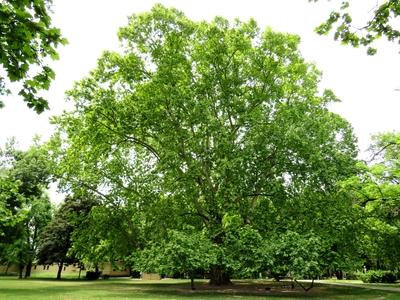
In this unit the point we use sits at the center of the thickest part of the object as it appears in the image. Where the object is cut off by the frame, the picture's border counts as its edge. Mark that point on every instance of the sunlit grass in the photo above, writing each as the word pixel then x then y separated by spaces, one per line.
pixel 53 275
pixel 359 282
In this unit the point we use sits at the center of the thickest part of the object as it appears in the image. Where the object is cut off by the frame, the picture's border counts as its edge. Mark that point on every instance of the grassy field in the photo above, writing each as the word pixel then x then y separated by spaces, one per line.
pixel 12 288
pixel 359 282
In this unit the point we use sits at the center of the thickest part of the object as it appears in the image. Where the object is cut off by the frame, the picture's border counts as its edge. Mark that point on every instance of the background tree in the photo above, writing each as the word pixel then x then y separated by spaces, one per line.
pixel 105 235
pixel 27 40
pixel 196 123
pixel 56 239
pixel 376 190
pixel 12 215
pixel 38 217
pixel 380 24
pixel 26 205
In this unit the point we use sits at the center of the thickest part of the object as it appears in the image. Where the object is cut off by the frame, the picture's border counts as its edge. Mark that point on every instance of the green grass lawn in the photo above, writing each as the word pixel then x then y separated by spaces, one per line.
pixel 53 275
pixel 12 288
pixel 391 285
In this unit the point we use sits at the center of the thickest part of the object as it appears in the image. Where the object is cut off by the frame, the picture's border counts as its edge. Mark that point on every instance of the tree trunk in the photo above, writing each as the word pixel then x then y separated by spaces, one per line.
pixel 8 265
pixel 21 270
pixel 378 264
pixel 28 269
pixel 192 283
pixel 339 274
pixel 218 276
pixel 191 275
pixel 32 248
pixel 60 267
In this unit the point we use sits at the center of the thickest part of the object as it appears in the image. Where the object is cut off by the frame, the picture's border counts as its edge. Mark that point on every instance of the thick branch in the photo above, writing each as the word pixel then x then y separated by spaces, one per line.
pixel 144 144
pixel 198 214
pixel 87 186
pixel 129 138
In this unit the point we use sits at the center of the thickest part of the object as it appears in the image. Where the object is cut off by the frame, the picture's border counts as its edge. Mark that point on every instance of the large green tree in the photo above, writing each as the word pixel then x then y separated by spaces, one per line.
pixel 214 125
pixel 27 41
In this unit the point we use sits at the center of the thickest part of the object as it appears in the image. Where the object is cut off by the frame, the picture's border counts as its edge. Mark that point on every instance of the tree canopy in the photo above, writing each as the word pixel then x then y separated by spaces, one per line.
pixel 27 41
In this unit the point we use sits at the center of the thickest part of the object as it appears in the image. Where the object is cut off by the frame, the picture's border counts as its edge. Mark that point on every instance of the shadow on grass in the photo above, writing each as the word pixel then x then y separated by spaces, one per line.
pixel 39 288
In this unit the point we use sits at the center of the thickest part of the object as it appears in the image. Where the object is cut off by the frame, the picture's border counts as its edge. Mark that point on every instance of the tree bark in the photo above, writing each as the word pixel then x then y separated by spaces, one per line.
pixel 60 267
pixel 21 270
pixel 218 276
pixel 28 269
pixel 192 282
pixel 339 274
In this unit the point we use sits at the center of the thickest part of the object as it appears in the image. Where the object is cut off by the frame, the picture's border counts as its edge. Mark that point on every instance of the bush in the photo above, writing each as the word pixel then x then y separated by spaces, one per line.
pixel 92 275
pixel 377 276
pixel 352 276
pixel 135 274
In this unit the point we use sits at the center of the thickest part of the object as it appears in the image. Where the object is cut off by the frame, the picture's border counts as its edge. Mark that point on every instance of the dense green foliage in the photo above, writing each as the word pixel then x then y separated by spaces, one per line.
pixel 27 40
pixel 380 24
pixel 181 253
pixel 204 148
pixel 378 276
pixel 25 207
pixel 56 238
pixel 215 126
pixel 376 191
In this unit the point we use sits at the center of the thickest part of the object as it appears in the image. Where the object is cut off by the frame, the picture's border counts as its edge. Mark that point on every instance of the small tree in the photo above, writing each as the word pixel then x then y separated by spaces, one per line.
pixel 183 252
pixel 296 255
pixel 55 243
pixel 106 234
pixel 56 240
pixel 26 205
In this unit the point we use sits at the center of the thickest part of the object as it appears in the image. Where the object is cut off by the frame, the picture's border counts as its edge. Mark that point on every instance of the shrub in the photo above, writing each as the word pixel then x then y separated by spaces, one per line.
pixel 377 276
pixel 351 276
pixel 92 275
pixel 135 274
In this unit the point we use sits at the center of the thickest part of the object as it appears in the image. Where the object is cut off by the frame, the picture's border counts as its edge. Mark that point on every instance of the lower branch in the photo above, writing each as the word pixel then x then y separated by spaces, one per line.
pixel 305 288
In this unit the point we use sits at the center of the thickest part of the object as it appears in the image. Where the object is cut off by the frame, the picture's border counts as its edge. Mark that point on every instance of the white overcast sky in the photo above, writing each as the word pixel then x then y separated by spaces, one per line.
pixel 366 85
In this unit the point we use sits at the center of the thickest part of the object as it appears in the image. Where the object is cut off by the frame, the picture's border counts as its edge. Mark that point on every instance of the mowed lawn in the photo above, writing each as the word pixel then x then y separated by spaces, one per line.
pixel 12 288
